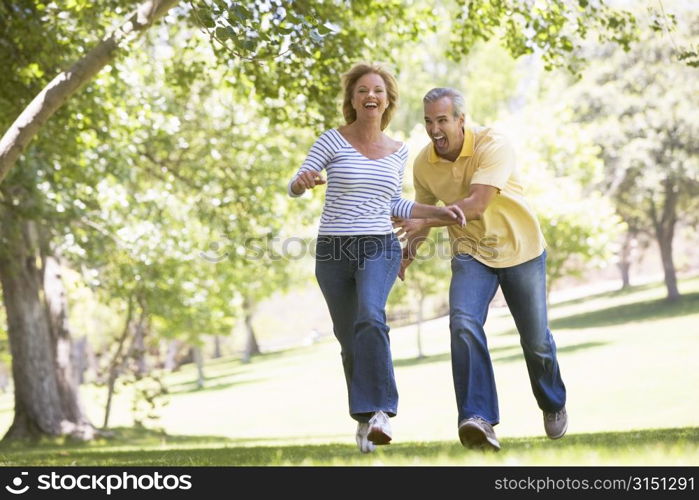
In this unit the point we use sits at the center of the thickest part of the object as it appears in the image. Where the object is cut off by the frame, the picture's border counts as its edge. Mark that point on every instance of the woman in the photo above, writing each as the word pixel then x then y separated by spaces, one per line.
pixel 357 254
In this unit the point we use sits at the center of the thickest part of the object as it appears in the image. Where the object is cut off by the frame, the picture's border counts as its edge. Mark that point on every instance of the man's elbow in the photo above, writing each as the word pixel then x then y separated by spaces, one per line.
pixel 477 207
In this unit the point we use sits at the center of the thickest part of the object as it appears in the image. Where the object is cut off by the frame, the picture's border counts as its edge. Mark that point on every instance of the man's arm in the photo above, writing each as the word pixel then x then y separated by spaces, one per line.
pixel 473 207
pixel 415 231
pixel 477 201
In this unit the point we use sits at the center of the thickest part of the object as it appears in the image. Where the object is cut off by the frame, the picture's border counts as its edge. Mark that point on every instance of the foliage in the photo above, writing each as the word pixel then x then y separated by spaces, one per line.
pixel 40 38
pixel 290 55
pixel 640 107
pixel 665 22
pixel 561 171
pixel 487 77
pixel 554 28
pixel 428 276
pixel 575 241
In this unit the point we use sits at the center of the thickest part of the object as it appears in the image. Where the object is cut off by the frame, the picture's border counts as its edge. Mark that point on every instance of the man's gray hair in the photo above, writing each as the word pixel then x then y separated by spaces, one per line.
pixel 457 99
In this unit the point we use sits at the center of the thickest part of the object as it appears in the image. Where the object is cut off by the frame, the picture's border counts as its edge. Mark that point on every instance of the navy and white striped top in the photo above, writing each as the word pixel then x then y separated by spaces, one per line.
pixel 361 193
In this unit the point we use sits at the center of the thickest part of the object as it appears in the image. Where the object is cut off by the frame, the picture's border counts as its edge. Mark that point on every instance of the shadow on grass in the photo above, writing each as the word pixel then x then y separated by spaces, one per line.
pixel 191 386
pixel 497 354
pixel 125 437
pixel 439 358
pixel 608 295
pixel 559 350
pixel 637 311
pixel 158 449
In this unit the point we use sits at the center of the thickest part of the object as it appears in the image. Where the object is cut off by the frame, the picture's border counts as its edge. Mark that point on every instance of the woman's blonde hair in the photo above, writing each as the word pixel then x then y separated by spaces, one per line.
pixel 349 80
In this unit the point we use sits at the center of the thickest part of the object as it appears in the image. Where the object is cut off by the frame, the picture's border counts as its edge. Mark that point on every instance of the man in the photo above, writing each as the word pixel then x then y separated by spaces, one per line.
pixel 501 245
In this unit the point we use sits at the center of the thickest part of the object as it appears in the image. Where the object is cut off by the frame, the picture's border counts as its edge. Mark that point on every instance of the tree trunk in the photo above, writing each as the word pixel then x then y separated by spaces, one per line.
pixel 252 348
pixel 173 347
pixel 116 362
pixel 664 226
pixel 217 347
pixel 63 86
pixel 138 349
pixel 625 260
pixel 38 407
pixel 665 244
pixel 67 379
pixel 420 317
pixel 199 361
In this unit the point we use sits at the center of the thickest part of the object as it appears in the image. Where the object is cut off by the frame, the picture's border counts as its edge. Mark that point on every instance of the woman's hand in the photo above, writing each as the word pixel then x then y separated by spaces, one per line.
pixel 408 227
pixel 404 263
pixel 450 213
pixel 307 180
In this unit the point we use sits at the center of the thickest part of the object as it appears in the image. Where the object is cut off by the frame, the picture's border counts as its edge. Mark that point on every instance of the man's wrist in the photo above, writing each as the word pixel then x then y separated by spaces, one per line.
pixel 433 222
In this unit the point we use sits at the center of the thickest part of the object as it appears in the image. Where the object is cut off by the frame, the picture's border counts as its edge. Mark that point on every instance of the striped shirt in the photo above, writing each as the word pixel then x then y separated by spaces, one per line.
pixel 362 194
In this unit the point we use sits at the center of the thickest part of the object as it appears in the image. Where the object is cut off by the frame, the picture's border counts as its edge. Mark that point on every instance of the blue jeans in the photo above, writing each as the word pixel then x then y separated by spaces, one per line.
pixel 355 274
pixel 473 286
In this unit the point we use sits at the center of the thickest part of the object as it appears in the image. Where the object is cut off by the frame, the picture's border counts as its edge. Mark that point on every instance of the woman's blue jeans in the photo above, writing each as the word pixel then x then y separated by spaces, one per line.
pixel 355 274
pixel 473 286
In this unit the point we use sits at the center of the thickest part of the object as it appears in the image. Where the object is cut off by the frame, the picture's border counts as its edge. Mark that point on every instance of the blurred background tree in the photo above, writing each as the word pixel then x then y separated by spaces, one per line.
pixel 641 106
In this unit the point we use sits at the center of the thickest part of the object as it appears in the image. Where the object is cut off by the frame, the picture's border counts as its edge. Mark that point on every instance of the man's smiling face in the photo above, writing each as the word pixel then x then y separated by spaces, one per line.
pixel 445 130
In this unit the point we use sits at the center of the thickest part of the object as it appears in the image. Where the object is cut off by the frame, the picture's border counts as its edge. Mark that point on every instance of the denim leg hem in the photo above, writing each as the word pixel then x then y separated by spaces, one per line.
pixel 364 416
pixel 553 411
pixel 475 415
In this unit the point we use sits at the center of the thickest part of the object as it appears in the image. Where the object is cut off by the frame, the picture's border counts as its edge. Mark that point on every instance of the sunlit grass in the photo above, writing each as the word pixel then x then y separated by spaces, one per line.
pixel 628 360
pixel 140 447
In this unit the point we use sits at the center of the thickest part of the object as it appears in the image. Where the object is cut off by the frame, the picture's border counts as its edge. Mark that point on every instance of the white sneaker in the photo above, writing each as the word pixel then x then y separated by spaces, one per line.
pixel 379 429
pixel 363 443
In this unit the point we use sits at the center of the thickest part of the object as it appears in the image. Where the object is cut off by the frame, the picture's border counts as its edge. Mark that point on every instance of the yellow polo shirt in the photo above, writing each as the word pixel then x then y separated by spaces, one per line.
pixel 508 233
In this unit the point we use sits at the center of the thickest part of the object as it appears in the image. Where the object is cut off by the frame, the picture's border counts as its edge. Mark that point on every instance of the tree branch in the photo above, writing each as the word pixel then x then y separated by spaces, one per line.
pixel 67 83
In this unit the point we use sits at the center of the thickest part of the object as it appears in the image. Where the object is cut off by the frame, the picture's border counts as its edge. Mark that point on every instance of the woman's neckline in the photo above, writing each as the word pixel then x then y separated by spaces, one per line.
pixel 402 144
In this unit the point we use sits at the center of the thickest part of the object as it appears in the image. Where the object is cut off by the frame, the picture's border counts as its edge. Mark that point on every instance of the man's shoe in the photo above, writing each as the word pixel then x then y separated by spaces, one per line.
pixel 475 432
pixel 556 423
pixel 363 443
pixel 379 429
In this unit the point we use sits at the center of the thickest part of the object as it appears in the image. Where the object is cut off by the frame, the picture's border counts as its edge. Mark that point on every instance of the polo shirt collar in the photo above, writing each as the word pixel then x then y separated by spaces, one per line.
pixel 466 149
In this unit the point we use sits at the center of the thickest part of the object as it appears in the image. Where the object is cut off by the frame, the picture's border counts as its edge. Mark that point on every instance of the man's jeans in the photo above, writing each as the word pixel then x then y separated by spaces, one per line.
pixel 473 286
pixel 355 274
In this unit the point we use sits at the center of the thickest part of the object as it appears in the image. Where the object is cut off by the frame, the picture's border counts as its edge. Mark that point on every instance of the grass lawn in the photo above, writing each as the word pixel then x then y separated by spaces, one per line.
pixel 629 361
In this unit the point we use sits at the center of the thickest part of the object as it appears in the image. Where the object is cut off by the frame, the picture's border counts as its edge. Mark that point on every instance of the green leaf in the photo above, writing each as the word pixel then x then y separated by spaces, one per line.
pixel 205 17
pixel 223 33
pixel 240 13
pixel 326 29
pixel 249 44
